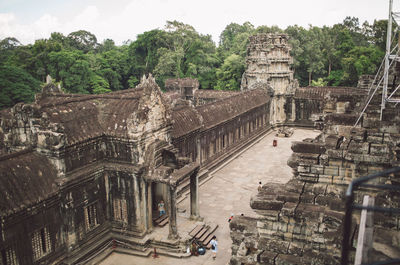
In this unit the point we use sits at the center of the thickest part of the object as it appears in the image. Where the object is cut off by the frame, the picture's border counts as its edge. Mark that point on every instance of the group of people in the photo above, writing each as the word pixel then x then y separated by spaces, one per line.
pixel 196 249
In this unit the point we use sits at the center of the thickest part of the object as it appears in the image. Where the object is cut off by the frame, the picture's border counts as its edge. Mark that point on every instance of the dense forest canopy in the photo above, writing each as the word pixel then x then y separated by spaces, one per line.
pixel 334 56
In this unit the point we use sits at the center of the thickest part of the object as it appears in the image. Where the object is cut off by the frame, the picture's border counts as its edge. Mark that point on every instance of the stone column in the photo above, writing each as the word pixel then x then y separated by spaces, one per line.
pixel 69 224
pixel 194 196
pixel 143 202
pixel 293 110
pixel 173 230
pixel 149 206
pixel 139 221
pixel 198 148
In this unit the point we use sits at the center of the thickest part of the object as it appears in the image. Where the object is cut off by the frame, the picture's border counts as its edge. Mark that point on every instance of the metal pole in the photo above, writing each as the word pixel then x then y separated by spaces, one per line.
pixel 386 72
pixel 347 228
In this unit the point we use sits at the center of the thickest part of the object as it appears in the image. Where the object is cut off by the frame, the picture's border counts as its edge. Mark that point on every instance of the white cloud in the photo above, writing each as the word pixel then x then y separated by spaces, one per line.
pixel 121 20
pixel 41 28
pixel 87 19
pixel 7 22
pixel 45 25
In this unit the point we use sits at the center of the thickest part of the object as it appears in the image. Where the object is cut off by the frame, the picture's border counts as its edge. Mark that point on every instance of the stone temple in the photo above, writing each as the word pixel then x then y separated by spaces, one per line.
pixel 81 172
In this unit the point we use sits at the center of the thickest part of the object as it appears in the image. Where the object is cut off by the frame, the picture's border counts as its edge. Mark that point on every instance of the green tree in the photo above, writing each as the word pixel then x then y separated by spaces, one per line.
pixel 297 40
pixel 98 85
pixel 7 50
pixel 228 37
pixel 319 82
pixel 328 47
pixel 143 53
pixel 230 73
pixel 39 62
pixel 82 40
pixel 186 54
pixel 359 61
pixel 9 43
pixel 72 69
pixel 16 85
pixel 106 45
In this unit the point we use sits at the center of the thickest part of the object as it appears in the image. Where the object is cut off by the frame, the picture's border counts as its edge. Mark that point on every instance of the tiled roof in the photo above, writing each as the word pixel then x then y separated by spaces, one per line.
pixel 321 93
pixel 26 178
pixel 217 94
pixel 87 116
pixel 228 108
pixel 186 119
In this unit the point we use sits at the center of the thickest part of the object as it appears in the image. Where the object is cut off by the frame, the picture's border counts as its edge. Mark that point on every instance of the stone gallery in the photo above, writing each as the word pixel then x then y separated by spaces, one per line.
pixel 85 173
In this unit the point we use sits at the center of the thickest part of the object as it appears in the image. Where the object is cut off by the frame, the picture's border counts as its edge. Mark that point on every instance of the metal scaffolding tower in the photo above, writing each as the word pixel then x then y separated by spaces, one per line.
pixel 391 56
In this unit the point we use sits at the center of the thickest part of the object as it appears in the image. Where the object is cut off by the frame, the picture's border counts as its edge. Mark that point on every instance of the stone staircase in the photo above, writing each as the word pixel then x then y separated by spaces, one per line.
pixel 203 234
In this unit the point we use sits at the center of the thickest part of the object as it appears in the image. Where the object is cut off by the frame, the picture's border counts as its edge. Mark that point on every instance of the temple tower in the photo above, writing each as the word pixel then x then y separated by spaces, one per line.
pixel 269 67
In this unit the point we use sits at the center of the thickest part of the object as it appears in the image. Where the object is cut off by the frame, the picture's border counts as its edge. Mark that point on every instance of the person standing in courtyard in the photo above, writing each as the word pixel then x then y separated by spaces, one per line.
pixel 161 207
pixel 259 186
pixel 214 246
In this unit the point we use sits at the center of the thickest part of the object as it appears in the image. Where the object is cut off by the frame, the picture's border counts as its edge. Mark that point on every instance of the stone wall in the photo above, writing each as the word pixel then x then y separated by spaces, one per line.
pixel 309 105
pixel 186 87
pixel 210 132
pixel 301 222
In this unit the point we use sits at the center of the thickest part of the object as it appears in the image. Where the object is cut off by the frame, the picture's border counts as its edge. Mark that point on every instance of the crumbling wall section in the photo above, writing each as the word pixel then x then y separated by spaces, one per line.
pixel 301 222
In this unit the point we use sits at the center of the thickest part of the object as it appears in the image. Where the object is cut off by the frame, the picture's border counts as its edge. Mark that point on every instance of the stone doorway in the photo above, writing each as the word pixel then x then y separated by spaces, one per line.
pixel 159 192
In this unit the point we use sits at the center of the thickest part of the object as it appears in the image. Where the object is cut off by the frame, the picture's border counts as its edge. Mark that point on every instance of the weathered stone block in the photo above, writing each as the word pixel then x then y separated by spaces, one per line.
pixel 283 259
pixel 341 119
pixel 269 215
pixel 305 147
pixel 303 169
pixel 275 245
pixel 296 248
pixel 288 209
pixel 311 178
pixel 317 169
pixel 378 149
pixel 266 205
pixel 267 257
pixel 288 197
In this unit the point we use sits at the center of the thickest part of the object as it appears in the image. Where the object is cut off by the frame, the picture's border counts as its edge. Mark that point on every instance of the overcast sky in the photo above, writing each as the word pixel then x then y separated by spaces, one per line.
pixel 120 20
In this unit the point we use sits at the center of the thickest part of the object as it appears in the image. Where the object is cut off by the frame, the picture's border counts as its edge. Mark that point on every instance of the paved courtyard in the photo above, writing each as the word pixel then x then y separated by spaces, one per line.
pixel 229 191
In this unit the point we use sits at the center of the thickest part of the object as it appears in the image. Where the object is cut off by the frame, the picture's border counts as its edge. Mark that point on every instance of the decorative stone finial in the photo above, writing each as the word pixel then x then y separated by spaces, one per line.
pixel 49 80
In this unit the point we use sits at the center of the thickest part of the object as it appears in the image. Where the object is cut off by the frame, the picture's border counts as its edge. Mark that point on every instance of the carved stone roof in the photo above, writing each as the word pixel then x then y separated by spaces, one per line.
pixel 186 120
pixel 26 178
pixel 75 118
pixel 217 94
pixel 321 93
pixel 170 96
pixel 87 116
pixel 228 108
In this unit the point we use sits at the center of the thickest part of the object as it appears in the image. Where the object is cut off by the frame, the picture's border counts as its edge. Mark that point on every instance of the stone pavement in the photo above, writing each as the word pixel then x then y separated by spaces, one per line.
pixel 229 191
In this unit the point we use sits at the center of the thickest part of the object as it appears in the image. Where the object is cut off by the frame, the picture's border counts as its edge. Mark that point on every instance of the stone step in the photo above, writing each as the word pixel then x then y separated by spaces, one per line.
pixel 196 230
pixel 164 247
pixel 163 222
pixel 208 234
pixel 201 233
